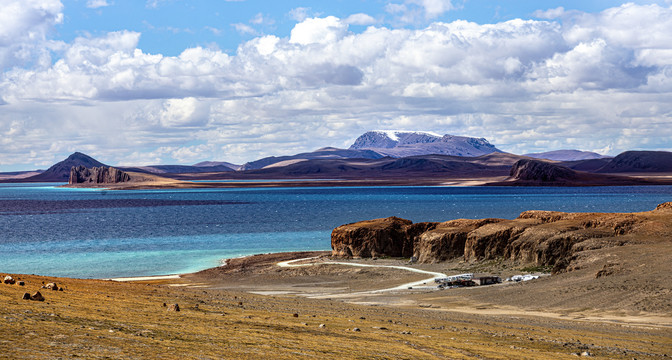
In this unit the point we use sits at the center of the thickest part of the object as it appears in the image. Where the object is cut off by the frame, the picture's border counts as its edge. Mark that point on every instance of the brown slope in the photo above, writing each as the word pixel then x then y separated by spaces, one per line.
pixel 426 166
pixel 60 172
pixel 639 161
pixel 530 172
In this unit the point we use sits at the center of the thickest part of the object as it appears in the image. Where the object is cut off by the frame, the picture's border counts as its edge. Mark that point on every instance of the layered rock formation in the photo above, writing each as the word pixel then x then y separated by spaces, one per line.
pixel 97 175
pixel 381 237
pixel 544 238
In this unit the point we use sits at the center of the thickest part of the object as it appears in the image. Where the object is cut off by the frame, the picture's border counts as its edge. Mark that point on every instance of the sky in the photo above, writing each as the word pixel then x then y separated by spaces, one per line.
pixel 140 82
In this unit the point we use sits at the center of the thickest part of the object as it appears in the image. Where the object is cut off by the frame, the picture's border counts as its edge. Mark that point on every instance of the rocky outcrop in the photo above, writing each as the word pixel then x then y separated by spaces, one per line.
pixel 380 237
pixel 447 240
pixel 544 238
pixel 97 175
pixel 537 170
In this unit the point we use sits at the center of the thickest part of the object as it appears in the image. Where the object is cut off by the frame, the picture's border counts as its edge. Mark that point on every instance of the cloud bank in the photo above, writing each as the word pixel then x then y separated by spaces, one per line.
pixel 600 82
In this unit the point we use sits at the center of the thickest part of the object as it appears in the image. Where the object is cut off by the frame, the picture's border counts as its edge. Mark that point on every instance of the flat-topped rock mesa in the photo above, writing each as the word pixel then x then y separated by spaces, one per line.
pixel 97 175
pixel 543 238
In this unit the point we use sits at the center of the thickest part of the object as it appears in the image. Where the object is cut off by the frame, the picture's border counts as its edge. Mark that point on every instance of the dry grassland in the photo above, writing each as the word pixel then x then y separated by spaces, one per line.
pixel 104 319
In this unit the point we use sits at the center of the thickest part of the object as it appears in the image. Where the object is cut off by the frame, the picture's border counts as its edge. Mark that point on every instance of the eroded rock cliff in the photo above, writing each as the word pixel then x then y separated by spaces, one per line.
pixel 97 175
pixel 544 238
pixel 380 237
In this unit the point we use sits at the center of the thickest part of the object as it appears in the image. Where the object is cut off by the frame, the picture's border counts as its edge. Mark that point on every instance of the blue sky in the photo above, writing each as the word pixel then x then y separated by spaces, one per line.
pixel 170 26
pixel 173 81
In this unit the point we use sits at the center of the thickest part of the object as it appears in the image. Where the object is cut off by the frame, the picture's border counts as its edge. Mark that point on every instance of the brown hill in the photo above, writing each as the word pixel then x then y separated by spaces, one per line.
pixel 639 161
pixel 530 172
pixel 490 165
pixel 60 172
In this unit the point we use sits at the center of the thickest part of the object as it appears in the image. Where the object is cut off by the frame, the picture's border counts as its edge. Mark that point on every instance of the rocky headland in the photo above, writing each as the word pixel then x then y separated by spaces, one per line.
pixel 554 240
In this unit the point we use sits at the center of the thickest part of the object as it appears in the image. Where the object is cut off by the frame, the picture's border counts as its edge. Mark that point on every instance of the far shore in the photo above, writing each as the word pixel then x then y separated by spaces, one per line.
pixel 179 184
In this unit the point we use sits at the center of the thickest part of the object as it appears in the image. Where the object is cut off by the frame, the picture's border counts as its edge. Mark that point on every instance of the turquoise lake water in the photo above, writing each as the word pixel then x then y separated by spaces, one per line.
pixel 98 234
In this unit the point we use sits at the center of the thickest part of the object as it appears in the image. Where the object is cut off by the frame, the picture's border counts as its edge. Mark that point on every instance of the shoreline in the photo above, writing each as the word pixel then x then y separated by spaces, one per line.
pixel 206 279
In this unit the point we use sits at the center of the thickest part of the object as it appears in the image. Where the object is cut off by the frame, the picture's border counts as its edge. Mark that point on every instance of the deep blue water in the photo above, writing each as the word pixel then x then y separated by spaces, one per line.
pixel 95 233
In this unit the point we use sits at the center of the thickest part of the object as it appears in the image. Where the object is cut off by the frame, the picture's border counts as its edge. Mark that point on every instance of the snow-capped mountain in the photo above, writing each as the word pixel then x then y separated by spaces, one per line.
pixel 409 143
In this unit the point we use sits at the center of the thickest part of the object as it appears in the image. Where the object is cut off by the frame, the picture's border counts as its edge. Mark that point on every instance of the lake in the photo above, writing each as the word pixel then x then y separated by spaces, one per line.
pixel 88 233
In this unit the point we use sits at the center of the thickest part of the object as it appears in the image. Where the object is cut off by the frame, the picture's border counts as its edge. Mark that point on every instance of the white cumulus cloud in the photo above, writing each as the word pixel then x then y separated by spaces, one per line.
pixel 94 4
pixel 588 81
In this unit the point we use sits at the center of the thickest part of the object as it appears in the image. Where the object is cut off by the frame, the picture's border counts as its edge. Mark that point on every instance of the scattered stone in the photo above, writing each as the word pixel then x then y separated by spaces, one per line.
pixel 37 296
pixel 21 283
pixel 295 315
pixel 174 307
pixel 586 353
pixel 322 326
pixel 26 296
pixel 51 286
pixel 9 280
pixel 362 318
pixel 164 305
pixel 356 329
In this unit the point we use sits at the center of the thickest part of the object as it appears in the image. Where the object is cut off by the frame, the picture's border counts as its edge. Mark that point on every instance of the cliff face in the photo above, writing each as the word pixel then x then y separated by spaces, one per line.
pixel 543 238
pixel 380 237
pixel 97 175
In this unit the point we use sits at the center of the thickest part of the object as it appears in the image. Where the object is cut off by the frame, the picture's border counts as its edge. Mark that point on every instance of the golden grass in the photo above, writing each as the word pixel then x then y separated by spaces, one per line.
pixel 106 319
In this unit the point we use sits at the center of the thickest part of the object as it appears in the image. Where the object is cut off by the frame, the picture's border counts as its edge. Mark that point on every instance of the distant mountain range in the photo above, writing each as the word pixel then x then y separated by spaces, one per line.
pixel 567 155
pixel 380 154
pixel 323 153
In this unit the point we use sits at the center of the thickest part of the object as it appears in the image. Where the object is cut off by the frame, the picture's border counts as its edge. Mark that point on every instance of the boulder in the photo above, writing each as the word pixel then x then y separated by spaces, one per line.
pixel 26 296
pixel 37 296
pixel 9 280
pixel 51 286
